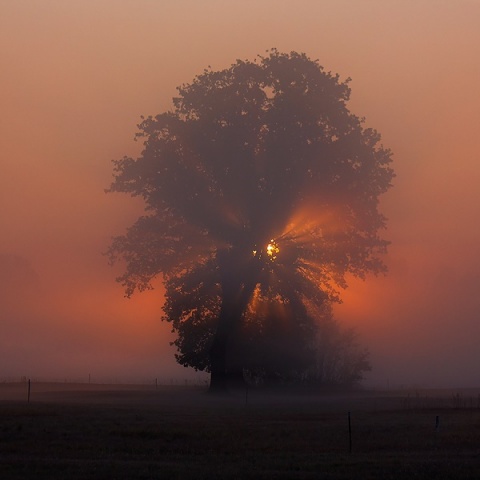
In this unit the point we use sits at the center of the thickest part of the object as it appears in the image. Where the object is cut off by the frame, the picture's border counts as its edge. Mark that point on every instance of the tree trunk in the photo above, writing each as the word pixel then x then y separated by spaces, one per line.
pixel 220 353
pixel 218 356
pixel 237 280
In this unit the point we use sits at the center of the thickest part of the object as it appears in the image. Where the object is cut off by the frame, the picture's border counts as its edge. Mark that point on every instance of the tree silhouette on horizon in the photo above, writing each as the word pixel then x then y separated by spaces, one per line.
pixel 260 188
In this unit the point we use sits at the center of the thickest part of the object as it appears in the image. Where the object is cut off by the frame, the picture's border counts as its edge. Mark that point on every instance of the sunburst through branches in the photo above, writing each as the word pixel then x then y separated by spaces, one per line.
pixel 270 252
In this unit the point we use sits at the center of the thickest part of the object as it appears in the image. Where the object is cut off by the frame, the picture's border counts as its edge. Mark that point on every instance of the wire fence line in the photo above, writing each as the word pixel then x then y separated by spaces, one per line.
pixel 108 380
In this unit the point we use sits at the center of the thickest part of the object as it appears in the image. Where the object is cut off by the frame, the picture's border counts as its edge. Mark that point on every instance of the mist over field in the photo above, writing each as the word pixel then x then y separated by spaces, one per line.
pixel 78 75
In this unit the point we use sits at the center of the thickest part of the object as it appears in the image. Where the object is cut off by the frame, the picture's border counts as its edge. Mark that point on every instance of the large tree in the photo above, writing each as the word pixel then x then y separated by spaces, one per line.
pixel 261 189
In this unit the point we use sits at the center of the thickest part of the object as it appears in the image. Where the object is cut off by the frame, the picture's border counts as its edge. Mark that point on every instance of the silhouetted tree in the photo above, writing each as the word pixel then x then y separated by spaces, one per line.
pixel 258 185
pixel 339 359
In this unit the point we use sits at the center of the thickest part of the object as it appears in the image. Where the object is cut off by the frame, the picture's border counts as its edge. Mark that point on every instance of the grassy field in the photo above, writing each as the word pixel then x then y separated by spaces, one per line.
pixel 75 432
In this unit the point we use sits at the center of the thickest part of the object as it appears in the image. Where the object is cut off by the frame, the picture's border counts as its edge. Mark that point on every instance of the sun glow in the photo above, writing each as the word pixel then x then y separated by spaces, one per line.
pixel 272 250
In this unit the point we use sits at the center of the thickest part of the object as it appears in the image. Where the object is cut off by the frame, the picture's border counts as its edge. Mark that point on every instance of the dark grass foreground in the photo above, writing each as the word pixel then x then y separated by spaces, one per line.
pixel 100 432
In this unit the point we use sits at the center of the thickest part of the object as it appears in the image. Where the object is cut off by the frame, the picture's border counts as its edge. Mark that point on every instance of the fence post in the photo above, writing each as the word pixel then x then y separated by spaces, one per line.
pixel 349 433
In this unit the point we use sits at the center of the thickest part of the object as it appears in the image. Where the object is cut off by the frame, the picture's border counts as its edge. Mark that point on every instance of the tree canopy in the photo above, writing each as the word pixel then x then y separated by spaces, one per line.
pixel 261 194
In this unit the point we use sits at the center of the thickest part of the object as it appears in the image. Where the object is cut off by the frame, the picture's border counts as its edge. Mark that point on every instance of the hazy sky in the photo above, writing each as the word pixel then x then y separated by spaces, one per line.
pixel 76 76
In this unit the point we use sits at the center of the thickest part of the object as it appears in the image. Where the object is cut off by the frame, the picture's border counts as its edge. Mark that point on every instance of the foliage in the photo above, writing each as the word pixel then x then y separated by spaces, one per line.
pixel 306 351
pixel 339 358
pixel 261 152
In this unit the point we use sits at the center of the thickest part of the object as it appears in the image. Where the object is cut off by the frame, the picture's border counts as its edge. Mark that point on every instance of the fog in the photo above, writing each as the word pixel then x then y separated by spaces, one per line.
pixel 76 76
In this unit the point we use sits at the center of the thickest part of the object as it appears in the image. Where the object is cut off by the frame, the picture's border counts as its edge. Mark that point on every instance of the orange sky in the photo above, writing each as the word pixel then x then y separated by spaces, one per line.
pixel 75 78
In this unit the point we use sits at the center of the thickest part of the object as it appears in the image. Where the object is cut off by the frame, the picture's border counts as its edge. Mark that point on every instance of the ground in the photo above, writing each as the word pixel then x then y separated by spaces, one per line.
pixel 143 432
